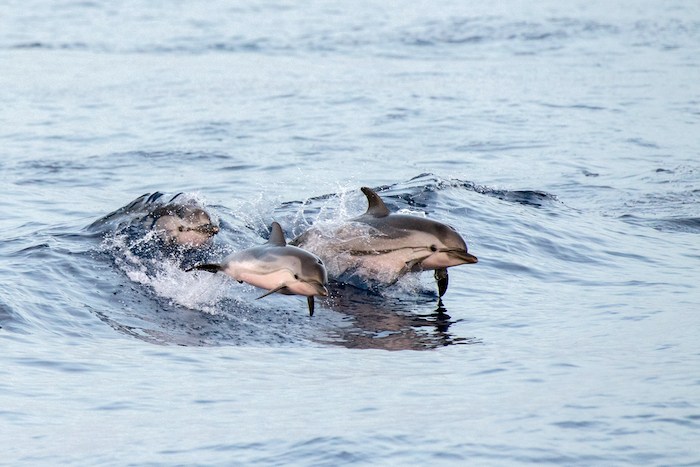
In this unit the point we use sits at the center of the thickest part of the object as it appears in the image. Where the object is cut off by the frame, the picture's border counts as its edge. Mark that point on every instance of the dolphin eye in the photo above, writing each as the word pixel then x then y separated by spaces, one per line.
pixel 296 276
pixel 433 248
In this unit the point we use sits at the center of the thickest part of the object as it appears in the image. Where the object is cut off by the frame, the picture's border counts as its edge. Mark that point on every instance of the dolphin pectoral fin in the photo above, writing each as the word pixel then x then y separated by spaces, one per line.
pixel 408 267
pixel 310 301
pixel 276 289
pixel 213 268
pixel 442 281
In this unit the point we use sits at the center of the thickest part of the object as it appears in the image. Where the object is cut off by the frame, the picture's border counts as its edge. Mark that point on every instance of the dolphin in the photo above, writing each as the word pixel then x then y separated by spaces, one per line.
pixel 276 267
pixel 184 225
pixel 385 246
pixel 180 221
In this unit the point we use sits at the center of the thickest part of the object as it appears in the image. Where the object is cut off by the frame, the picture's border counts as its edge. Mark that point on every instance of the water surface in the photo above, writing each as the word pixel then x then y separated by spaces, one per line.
pixel 561 141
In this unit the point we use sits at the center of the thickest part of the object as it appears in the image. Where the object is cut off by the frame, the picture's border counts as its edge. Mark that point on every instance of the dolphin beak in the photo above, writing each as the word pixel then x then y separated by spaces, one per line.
pixel 462 256
pixel 320 288
pixel 209 229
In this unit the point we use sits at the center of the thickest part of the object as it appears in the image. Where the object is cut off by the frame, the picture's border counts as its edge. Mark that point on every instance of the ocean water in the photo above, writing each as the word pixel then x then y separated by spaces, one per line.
pixel 561 139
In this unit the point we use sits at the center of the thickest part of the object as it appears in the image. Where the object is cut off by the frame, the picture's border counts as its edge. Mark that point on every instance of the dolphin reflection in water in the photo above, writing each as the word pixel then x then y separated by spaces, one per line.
pixel 381 246
pixel 277 267
pixel 372 321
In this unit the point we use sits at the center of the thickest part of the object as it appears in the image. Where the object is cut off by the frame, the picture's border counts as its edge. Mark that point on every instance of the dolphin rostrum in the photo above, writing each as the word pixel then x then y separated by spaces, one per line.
pixel 276 267
pixel 385 246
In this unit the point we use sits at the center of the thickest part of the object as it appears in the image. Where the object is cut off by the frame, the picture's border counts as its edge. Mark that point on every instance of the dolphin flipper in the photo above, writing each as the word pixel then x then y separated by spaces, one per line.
pixel 442 281
pixel 310 300
pixel 276 289
pixel 408 267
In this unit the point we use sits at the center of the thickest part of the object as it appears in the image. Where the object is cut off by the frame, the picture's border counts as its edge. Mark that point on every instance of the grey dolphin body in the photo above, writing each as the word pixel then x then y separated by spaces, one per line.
pixel 386 246
pixel 276 267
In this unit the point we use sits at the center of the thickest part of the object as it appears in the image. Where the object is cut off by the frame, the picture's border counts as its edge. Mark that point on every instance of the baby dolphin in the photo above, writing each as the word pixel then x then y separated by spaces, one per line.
pixel 387 246
pixel 276 267
pixel 185 225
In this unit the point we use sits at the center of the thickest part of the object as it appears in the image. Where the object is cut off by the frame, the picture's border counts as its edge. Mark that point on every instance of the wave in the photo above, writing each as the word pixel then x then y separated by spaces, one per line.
pixel 419 192
pixel 666 224
pixel 450 37
pixel 126 280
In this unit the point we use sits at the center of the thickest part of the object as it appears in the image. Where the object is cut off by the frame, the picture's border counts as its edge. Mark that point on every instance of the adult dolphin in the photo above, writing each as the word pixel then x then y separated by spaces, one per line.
pixel 277 267
pixel 183 225
pixel 386 246
pixel 182 221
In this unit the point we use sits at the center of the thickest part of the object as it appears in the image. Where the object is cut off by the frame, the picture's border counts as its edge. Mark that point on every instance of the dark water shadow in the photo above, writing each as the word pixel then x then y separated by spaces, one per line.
pixel 374 321
pixel 665 224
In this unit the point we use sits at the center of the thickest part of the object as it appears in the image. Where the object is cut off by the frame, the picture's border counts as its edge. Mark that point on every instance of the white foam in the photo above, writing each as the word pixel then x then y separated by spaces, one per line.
pixel 164 276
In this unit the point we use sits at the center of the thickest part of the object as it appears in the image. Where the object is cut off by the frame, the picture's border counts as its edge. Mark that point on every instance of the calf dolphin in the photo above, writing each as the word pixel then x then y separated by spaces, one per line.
pixel 386 246
pixel 277 267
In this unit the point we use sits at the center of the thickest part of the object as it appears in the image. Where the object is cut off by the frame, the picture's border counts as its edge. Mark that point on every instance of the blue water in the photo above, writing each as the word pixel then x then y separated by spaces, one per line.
pixel 561 139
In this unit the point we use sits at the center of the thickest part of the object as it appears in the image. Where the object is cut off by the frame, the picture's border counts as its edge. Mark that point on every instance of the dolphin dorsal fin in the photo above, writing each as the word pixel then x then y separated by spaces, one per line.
pixel 376 208
pixel 276 235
